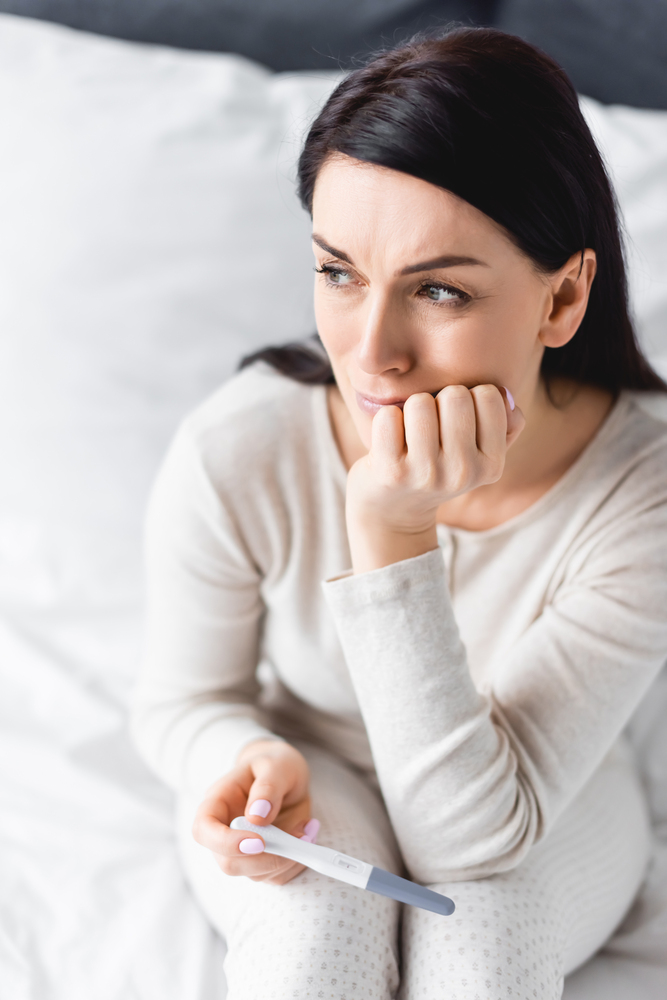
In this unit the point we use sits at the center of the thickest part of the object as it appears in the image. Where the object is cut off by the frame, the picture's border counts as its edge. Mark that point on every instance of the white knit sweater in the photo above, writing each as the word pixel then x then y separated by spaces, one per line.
pixel 478 686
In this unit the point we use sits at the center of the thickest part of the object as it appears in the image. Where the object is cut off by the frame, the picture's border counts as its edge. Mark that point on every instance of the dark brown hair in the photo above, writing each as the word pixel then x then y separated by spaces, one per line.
pixel 495 121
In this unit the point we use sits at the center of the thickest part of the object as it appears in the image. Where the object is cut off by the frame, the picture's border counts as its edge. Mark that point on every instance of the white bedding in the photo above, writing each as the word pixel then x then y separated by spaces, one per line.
pixel 149 236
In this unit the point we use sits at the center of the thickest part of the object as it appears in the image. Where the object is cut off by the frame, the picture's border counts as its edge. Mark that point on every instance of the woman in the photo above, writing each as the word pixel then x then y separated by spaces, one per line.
pixel 470 475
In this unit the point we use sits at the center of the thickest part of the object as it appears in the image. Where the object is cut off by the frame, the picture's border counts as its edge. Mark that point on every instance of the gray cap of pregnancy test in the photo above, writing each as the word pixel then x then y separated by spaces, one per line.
pixel 387 884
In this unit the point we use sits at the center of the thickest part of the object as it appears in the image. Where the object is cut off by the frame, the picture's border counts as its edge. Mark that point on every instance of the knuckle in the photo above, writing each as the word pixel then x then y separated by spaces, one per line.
pixel 428 479
pixel 264 766
pixel 418 401
pixel 227 866
pixel 459 478
pixel 494 469
pixel 392 475
pixel 488 391
pixel 264 785
pixel 455 392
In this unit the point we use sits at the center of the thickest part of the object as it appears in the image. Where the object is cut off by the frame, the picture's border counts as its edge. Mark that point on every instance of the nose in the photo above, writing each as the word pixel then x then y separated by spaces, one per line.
pixel 385 344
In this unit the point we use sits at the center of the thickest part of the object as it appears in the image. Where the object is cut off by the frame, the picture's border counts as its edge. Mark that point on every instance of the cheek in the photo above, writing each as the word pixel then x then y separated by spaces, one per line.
pixel 335 325
pixel 491 343
pixel 339 339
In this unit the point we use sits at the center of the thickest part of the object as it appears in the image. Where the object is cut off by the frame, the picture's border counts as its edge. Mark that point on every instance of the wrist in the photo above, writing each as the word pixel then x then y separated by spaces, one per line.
pixel 374 546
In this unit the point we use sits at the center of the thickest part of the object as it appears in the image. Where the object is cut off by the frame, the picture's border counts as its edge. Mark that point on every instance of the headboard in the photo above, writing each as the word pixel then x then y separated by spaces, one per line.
pixel 614 50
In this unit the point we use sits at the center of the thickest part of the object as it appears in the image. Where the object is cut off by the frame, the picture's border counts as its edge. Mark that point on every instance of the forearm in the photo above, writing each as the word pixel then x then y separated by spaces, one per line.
pixel 191 742
pixel 448 774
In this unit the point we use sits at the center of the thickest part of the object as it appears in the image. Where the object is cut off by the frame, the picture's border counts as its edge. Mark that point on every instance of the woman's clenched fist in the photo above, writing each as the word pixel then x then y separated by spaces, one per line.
pixel 431 451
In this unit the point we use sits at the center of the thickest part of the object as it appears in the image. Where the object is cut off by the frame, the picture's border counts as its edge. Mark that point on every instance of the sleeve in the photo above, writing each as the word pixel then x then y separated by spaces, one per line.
pixel 193 707
pixel 472 780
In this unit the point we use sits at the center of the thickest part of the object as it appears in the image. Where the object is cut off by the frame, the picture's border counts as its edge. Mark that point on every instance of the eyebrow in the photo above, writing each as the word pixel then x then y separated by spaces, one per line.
pixel 340 254
pixel 447 260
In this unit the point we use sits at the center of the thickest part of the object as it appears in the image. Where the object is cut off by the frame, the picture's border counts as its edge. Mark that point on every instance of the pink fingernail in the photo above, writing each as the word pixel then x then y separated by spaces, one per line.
pixel 312 828
pixel 510 397
pixel 251 846
pixel 260 807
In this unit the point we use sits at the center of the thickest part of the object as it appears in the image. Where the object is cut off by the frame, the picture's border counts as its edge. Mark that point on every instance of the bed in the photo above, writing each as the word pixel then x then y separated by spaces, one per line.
pixel 150 236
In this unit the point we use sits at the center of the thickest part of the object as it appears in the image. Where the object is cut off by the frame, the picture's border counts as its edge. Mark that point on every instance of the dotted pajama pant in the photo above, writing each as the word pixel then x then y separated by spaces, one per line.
pixel 514 935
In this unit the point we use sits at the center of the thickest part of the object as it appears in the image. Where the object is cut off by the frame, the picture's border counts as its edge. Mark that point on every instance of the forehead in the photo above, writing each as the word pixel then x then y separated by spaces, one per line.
pixel 364 208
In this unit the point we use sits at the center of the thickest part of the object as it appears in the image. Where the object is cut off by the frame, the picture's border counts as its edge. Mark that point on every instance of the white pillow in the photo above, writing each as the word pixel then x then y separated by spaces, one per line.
pixel 633 142
pixel 150 236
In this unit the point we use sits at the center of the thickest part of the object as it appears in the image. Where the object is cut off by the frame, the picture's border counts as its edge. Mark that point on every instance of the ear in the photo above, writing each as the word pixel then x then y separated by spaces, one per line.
pixel 570 288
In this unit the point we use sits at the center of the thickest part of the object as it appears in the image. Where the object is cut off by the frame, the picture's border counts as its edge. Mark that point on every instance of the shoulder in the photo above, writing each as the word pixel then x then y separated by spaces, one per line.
pixel 256 422
pixel 622 487
pixel 254 397
pixel 648 409
pixel 611 505
pixel 637 449
pixel 242 471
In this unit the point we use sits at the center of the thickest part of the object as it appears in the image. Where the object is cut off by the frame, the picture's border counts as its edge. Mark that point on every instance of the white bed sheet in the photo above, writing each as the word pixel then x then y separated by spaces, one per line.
pixel 94 904
pixel 133 182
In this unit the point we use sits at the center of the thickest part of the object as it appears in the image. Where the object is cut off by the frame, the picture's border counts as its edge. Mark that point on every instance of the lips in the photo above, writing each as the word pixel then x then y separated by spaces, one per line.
pixel 367 404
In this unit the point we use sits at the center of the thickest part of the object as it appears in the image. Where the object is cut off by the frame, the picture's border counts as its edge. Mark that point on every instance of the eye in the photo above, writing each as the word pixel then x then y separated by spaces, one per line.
pixel 443 293
pixel 335 275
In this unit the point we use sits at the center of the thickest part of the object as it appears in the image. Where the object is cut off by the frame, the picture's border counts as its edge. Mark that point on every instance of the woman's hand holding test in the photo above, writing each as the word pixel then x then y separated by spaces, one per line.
pixel 432 451
pixel 267 772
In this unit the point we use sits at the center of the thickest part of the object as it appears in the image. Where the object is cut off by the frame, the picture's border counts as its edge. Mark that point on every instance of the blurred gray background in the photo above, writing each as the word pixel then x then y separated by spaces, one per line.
pixel 613 50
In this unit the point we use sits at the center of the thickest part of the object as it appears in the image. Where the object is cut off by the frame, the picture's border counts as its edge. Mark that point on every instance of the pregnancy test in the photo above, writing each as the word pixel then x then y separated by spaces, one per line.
pixel 326 861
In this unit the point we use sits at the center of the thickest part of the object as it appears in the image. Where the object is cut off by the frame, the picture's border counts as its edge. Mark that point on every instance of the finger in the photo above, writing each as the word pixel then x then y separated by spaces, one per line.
pixel 225 799
pixel 228 796
pixel 237 852
pixel 515 418
pixel 491 419
pixel 388 434
pixel 422 431
pixel 263 867
pixel 258 809
pixel 282 877
pixel 458 434
pixel 509 399
pixel 218 837
pixel 274 782
pixel 240 852
pixel 252 845
pixel 311 831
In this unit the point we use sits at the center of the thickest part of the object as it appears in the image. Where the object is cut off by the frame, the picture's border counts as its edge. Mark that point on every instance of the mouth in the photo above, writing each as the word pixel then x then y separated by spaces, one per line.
pixel 367 404
pixel 371 405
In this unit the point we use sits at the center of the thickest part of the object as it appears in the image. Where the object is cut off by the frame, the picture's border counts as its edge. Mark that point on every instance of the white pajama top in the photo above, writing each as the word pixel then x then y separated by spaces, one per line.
pixel 477 686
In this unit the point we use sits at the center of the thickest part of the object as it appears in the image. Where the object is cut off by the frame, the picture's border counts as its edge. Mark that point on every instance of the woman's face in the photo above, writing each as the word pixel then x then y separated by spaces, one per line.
pixel 419 290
